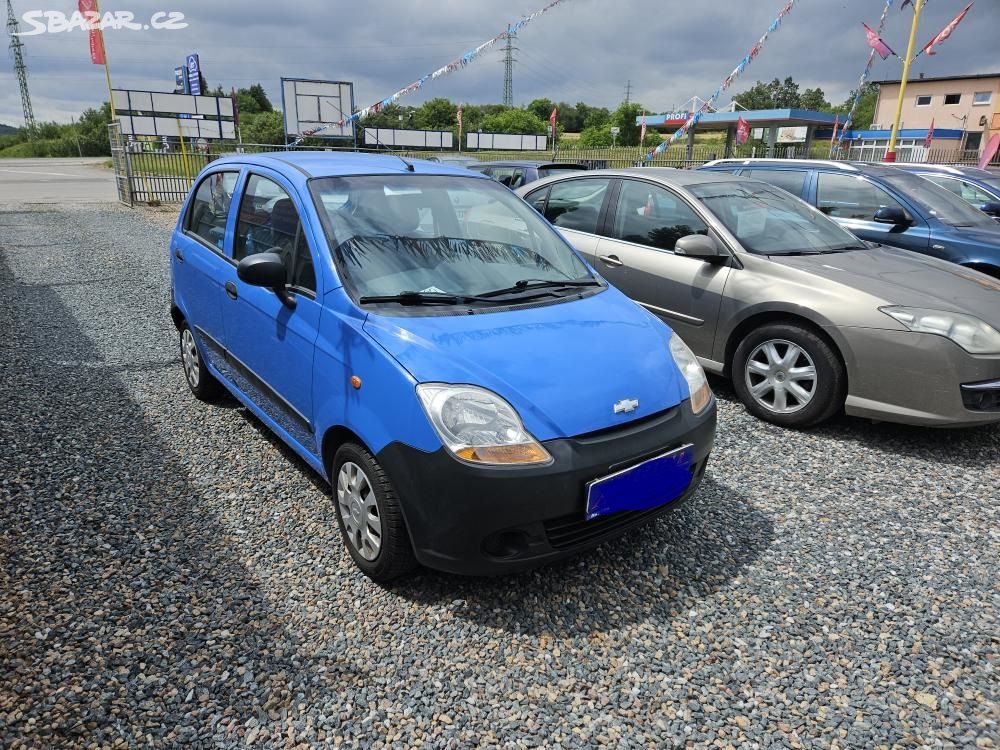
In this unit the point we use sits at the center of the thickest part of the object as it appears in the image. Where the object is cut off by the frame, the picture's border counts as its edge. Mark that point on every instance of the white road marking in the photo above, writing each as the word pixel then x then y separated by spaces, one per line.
pixel 51 174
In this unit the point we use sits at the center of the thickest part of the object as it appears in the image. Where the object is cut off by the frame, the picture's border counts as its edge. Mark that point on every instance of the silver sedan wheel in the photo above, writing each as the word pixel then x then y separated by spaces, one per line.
pixel 359 511
pixel 781 377
pixel 189 356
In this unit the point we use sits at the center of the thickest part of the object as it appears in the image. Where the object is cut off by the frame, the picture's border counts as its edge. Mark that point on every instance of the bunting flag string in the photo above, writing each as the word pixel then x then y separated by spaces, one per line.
pixel 456 64
pixel 696 116
pixel 848 121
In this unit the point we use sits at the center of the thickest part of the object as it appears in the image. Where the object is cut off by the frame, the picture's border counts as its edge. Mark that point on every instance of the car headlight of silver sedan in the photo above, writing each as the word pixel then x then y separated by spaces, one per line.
pixel 968 331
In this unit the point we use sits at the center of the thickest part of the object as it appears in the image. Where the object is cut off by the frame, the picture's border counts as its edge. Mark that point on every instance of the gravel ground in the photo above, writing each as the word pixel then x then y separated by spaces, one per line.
pixel 172 576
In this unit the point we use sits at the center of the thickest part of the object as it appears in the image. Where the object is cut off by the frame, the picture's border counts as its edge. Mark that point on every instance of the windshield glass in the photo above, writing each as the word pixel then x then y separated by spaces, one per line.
pixel 438 235
pixel 938 202
pixel 769 221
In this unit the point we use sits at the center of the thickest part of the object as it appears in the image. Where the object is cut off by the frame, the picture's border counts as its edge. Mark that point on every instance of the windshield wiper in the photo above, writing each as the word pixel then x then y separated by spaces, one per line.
pixel 423 298
pixel 527 285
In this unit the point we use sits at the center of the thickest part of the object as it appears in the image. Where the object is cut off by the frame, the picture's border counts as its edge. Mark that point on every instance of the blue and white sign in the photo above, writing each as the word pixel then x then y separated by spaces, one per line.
pixel 194 75
pixel 180 80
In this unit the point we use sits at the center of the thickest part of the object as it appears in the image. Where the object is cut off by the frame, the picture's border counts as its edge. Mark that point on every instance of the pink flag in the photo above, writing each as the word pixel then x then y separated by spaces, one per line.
pixel 876 43
pixel 642 130
pixel 552 123
pixel 742 131
pixel 930 135
pixel 836 122
pixel 945 32
pixel 89 10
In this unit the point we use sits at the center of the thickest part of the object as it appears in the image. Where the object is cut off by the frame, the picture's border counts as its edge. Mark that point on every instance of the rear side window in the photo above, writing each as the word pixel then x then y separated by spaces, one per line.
pixel 209 209
pixel 512 177
pixel 269 223
pixel 537 200
pixel 964 190
pixel 652 216
pixel 576 204
pixel 848 197
pixel 786 179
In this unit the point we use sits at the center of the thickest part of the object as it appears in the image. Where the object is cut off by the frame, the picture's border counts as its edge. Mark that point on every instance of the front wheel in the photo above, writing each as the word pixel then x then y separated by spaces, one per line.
pixel 199 379
pixel 786 374
pixel 369 515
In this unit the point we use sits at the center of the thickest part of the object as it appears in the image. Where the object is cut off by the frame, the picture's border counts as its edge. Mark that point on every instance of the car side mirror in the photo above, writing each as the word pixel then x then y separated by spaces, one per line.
pixel 892 215
pixel 991 208
pixel 266 270
pixel 700 246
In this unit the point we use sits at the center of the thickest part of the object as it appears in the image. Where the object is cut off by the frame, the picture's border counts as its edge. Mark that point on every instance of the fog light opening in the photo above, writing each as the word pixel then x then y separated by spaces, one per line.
pixel 506 544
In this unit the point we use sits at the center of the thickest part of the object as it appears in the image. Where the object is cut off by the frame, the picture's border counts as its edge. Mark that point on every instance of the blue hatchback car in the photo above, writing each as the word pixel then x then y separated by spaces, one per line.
pixel 479 399
pixel 882 203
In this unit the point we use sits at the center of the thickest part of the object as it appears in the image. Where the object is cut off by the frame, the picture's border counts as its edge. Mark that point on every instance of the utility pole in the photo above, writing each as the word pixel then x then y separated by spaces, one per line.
pixel 628 91
pixel 890 154
pixel 508 73
pixel 19 69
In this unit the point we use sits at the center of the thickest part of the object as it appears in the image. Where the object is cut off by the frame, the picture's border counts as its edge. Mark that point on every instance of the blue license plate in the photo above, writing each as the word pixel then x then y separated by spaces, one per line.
pixel 654 482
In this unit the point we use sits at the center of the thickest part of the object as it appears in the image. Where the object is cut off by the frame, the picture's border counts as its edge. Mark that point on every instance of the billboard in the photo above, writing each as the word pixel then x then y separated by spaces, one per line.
pixel 409 138
pixel 193 64
pixel 308 105
pixel 506 142
pixel 160 113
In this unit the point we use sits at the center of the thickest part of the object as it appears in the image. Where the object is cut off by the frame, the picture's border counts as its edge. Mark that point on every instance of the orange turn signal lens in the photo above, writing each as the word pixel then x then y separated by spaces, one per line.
pixel 523 453
pixel 700 398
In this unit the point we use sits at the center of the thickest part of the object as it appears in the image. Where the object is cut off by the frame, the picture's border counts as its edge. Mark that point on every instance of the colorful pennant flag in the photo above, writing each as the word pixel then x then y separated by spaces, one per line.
pixel 945 32
pixel 642 129
pixel 552 124
pixel 88 8
pixel 876 43
pixel 742 131
pixel 930 135
pixel 836 121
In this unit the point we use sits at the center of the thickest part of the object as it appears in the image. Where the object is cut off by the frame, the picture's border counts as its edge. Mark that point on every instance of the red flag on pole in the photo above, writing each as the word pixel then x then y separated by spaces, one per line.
pixel 88 8
pixel 742 131
pixel 642 130
pixel 876 43
pixel 836 122
pixel 930 135
pixel 552 124
pixel 945 32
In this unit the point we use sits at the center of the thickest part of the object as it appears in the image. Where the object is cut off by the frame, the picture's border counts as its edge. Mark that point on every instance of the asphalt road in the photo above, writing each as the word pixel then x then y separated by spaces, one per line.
pixel 172 576
pixel 56 181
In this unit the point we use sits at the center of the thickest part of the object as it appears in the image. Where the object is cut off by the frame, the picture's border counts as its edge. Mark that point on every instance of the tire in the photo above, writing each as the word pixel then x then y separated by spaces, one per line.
pixel 367 503
pixel 786 374
pixel 200 381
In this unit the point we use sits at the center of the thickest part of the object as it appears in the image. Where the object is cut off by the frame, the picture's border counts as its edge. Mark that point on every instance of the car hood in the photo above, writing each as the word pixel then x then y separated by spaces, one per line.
pixel 901 277
pixel 562 366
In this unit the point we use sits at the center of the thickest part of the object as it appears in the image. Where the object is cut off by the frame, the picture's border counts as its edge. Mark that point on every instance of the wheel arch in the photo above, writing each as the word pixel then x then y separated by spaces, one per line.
pixel 334 437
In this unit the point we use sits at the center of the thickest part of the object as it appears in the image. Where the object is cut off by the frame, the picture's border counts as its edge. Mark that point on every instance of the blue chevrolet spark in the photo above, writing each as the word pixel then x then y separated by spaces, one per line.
pixel 479 399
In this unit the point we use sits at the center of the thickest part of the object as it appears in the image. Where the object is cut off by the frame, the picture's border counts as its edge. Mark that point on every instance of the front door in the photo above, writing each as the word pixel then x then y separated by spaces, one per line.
pixel 270 341
pixel 638 257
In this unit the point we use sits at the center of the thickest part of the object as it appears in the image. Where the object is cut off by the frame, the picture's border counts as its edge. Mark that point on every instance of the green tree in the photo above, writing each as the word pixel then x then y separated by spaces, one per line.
pixel 256 92
pixel 626 119
pixel 774 95
pixel 815 100
pixel 263 127
pixel 514 121
pixel 596 136
pixel 865 113
pixel 435 114
pixel 542 108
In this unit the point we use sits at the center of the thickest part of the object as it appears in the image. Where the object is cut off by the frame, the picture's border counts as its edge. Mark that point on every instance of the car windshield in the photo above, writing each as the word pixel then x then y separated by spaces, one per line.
pixel 439 235
pixel 768 221
pixel 938 202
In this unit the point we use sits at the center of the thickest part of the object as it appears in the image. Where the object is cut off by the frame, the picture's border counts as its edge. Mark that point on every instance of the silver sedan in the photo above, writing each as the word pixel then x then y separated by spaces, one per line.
pixel 803 317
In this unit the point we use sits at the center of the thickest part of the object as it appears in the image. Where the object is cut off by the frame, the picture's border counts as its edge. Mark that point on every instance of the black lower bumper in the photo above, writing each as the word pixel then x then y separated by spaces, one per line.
pixel 491 520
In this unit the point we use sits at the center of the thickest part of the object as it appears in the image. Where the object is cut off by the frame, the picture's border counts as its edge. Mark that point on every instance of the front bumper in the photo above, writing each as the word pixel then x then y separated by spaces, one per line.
pixel 916 378
pixel 492 520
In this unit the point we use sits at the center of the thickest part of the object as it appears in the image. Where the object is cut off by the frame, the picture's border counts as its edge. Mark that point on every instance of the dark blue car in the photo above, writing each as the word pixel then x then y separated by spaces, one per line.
pixel 977 187
pixel 478 397
pixel 884 204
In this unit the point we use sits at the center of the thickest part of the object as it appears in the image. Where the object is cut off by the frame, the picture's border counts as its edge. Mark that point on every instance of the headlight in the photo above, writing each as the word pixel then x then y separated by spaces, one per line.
pixel 690 368
pixel 969 332
pixel 478 426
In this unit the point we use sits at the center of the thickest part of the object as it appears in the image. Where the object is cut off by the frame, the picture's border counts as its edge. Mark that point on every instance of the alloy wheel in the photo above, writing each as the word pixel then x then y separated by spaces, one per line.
pixel 189 356
pixel 781 376
pixel 359 511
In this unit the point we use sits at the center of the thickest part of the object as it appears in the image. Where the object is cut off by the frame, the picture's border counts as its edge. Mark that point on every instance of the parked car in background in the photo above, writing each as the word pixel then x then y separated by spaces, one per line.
pixel 801 315
pixel 975 186
pixel 515 174
pixel 478 398
pixel 454 161
pixel 882 203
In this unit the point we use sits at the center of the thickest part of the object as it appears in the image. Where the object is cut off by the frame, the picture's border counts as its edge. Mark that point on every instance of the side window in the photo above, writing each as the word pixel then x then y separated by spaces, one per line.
pixel 268 222
pixel 537 200
pixel 964 190
pixel 576 204
pixel 512 177
pixel 786 179
pixel 848 197
pixel 209 209
pixel 653 216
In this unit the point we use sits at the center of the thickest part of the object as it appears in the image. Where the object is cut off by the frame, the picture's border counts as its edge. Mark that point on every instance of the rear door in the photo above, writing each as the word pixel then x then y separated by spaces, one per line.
pixel 198 260
pixel 576 207
pixel 637 256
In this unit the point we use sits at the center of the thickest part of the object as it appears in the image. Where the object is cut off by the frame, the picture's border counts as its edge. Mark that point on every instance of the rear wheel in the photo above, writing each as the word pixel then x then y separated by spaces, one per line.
pixel 199 379
pixel 369 515
pixel 786 374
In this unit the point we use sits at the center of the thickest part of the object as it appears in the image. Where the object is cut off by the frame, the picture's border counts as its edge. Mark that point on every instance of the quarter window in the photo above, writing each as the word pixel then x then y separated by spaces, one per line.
pixel 786 179
pixel 512 177
pixel 576 204
pixel 952 98
pixel 923 101
pixel 653 216
pixel 537 200
pixel 847 197
pixel 269 223
pixel 209 209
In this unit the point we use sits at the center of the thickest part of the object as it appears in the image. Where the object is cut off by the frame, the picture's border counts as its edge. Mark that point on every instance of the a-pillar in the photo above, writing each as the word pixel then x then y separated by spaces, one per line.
pixel 772 138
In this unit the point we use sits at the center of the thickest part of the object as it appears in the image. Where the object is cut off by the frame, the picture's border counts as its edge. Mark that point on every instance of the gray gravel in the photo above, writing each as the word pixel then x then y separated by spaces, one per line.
pixel 171 576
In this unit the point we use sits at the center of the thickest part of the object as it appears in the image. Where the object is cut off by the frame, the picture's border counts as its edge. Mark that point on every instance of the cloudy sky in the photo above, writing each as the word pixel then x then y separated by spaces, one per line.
pixel 582 50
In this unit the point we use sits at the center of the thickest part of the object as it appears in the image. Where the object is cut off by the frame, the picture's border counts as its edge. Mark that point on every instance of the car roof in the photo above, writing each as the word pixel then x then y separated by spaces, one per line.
pixel 858 167
pixel 309 164
pixel 529 163
pixel 668 175
pixel 973 172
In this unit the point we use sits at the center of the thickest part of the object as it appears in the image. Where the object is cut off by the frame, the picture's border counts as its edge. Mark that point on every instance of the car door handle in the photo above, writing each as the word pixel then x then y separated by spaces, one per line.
pixel 178 254
pixel 611 260
pixel 231 290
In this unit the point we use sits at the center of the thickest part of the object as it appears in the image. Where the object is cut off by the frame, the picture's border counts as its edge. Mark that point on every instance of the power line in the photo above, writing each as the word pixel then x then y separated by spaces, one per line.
pixel 19 69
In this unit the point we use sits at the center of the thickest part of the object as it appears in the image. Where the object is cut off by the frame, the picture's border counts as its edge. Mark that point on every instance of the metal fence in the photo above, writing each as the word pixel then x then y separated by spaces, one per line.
pixel 151 176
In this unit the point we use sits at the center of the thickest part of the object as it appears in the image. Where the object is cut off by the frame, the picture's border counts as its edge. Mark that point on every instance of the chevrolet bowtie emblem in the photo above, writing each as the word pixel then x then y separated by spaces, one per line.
pixel 626 405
